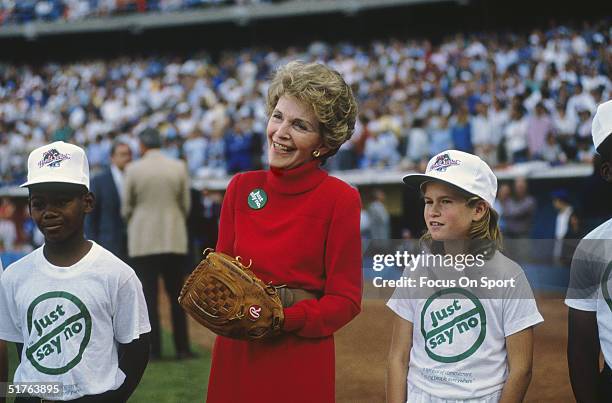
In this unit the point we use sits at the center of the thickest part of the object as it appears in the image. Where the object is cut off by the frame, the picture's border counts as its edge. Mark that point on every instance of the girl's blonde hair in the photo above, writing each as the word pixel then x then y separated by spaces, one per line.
pixel 485 233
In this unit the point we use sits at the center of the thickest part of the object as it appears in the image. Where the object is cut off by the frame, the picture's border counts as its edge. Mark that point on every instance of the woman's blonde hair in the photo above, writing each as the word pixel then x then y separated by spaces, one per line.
pixel 329 96
pixel 485 233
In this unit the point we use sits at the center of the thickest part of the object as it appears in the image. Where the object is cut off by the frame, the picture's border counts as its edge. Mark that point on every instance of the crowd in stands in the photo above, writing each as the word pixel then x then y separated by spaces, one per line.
pixel 509 98
pixel 24 11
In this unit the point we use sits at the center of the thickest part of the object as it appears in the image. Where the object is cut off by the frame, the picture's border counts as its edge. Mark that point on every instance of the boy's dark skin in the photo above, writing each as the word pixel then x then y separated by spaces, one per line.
pixel 583 348
pixel 3 366
pixel 59 212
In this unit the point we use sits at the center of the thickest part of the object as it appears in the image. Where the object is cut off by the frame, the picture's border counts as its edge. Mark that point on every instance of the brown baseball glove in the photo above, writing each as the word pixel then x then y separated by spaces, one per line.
pixel 226 297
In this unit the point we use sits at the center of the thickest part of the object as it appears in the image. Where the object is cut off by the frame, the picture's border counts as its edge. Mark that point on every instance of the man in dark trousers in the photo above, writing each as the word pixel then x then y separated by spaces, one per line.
pixel 105 225
pixel 155 206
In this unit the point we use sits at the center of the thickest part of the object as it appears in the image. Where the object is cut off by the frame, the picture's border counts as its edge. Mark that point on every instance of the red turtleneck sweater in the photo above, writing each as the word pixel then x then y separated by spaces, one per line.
pixel 303 231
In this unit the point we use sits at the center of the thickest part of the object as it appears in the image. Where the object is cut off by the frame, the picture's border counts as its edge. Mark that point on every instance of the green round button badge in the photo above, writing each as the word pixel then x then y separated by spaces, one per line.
pixel 257 199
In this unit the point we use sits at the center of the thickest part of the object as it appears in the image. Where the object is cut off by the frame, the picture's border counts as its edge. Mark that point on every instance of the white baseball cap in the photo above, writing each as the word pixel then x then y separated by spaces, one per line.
pixel 463 170
pixel 58 162
pixel 602 123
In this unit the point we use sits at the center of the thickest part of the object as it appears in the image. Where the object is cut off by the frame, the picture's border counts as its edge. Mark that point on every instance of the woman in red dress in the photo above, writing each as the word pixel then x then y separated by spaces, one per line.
pixel 300 227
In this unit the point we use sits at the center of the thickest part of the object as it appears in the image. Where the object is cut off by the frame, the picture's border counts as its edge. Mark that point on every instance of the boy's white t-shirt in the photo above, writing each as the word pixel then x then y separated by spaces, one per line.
pixel 70 319
pixel 590 287
pixel 459 336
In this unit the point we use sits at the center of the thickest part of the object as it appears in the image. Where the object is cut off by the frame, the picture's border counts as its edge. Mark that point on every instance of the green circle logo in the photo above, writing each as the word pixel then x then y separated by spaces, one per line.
pixel 257 199
pixel 605 285
pixel 453 328
pixel 59 325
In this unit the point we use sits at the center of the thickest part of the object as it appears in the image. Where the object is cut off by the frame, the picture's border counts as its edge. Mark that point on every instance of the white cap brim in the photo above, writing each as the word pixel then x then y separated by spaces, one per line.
pixel 53 179
pixel 417 180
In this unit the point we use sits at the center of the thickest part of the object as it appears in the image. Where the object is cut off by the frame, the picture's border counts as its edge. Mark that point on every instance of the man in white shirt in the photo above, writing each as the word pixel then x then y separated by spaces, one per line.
pixel 564 209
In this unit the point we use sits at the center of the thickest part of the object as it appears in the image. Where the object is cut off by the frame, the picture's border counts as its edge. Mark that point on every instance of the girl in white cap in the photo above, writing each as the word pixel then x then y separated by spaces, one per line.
pixel 463 331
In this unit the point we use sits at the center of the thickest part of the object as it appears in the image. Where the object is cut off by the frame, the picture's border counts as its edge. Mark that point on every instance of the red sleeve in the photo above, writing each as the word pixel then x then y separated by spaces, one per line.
pixel 225 242
pixel 341 301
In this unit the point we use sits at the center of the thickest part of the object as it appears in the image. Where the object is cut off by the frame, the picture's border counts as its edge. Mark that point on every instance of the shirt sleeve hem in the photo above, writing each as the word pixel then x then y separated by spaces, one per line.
pixel 11 337
pixel 393 305
pixel 134 336
pixel 582 305
pixel 529 321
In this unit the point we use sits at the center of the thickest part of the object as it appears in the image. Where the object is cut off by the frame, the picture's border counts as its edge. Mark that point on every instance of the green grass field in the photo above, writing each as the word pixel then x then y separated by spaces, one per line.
pixel 165 381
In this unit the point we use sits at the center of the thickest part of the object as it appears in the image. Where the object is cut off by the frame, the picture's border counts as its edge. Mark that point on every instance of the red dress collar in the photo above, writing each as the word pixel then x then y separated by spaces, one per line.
pixel 297 180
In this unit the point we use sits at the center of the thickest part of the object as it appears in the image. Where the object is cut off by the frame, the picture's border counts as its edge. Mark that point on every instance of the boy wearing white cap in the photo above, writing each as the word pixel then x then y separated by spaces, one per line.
pixel 590 290
pixel 76 312
pixel 454 341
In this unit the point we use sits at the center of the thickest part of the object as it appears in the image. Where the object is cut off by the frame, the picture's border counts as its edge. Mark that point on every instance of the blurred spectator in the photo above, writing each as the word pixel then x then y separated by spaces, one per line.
pixel 580 101
pixel 504 193
pixel 19 12
pixel 104 224
pixel 380 225
pixel 203 222
pixel 583 136
pixel 539 126
pixel 362 134
pixel 461 131
pixel 98 153
pixel 417 144
pixel 584 145
pixel 575 232
pixel 364 224
pixel 398 83
pixel 381 150
pixel 63 132
pixel 552 151
pixel 238 147
pixel 439 135
pixel 484 136
pixel 518 215
pixel 8 230
pixel 194 150
pixel 516 137
pixel 561 203
pixel 214 156
pixel 565 129
pixel 155 206
pixel 519 211
pixel 498 118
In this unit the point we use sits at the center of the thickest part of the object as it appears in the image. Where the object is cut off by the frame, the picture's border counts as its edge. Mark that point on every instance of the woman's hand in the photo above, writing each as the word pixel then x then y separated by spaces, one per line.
pixel 399 358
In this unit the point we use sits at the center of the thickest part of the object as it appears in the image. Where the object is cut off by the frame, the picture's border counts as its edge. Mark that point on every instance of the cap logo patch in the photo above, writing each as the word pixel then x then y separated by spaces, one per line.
pixel 52 159
pixel 443 162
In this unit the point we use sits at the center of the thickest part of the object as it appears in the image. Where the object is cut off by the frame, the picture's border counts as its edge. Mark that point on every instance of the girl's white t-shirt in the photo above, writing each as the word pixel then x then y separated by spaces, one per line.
pixel 459 334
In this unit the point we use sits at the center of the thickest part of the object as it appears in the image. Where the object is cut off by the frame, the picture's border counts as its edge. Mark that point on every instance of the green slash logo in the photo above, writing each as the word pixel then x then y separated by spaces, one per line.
pixel 453 328
pixel 257 199
pixel 605 285
pixel 59 326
